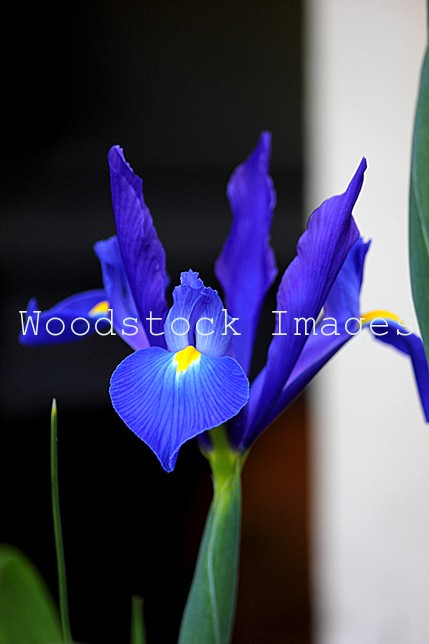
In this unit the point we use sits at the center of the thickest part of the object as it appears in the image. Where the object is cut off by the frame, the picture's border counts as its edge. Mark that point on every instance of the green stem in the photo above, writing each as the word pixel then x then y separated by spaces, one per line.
pixel 59 546
pixel 209 612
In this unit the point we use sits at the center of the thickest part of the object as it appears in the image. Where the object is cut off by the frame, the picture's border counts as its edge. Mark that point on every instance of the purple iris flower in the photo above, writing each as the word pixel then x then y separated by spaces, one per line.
pixel 188 373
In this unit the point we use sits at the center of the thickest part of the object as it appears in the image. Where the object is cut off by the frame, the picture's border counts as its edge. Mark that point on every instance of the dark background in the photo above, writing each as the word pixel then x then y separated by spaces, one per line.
pixel 185 88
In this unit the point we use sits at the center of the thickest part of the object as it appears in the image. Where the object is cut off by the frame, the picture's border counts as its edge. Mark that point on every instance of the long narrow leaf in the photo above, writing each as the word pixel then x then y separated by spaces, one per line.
pixel 419 207
pixel 58 533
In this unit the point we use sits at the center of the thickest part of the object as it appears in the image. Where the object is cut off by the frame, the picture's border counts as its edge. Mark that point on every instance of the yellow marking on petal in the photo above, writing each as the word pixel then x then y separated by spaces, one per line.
pixel 186 357
pixel 379 315
pixel 101 308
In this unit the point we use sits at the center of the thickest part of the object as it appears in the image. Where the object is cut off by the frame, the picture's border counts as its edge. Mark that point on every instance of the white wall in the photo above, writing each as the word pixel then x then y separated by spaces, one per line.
pixel 370 444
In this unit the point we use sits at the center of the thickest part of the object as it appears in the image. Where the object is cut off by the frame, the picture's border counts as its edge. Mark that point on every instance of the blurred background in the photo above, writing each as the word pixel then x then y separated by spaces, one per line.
pixel 369 441
pixel 185 88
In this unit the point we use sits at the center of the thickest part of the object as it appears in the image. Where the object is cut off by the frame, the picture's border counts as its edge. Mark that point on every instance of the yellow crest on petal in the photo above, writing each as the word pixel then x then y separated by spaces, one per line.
pixel 186 357
pixel 101 308
pixel 379 315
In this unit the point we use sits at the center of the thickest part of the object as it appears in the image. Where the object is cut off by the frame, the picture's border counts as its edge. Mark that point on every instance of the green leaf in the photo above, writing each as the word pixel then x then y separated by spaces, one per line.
pixel 419 207
pixel 209 612
pixel 27 611
pixel 138 635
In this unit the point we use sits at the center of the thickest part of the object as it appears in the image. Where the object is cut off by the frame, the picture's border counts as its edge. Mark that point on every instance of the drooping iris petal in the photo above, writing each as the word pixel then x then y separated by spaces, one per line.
pixel 70 320
pixel 246 267
pixel 126 321
pixel 337 326
pixel 142 253
pixel 322 250
pixel 395 334
pixel 168 398
pixel 197 317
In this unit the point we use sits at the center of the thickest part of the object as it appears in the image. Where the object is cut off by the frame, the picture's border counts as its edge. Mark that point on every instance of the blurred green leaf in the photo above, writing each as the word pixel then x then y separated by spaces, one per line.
pixel 27 611
pixel 419 207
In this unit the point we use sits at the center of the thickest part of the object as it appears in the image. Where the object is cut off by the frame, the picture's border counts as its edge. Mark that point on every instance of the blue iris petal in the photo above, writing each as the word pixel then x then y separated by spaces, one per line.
pixel 142 253
pixel 342 304
pixel 246 267
pixel 410 344
pixel 304 288
pixel 197 317
pixel 75 320
pixel 126 320
pixel 166 407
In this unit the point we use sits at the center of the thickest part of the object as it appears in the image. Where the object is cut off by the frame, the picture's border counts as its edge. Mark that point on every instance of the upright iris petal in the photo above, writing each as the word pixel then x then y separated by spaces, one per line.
pixel 340 322
pixel 246 267
pixel 197 317
pixel 306 283
pixel 142 253
pixel 342 306
pixel 134 276
pixel 167 397
pixel 119 296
